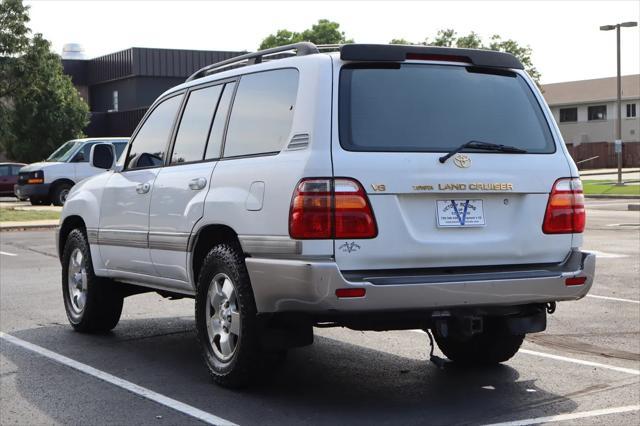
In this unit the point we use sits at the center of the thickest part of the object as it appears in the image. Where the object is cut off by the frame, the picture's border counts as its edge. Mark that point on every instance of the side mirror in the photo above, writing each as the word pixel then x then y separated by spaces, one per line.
pixel 103 156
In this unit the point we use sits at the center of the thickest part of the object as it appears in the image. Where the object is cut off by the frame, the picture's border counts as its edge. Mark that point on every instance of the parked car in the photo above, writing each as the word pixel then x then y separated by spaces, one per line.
pixel 8 178
pixel 49 181
pixel 380 187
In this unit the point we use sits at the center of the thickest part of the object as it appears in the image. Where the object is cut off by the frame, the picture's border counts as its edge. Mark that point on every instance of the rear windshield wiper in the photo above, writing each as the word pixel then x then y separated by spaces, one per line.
pixel 485 146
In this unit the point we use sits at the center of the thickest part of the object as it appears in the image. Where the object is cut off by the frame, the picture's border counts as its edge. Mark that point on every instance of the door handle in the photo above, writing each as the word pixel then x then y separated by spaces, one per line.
pixel 197 183
pixel 143 188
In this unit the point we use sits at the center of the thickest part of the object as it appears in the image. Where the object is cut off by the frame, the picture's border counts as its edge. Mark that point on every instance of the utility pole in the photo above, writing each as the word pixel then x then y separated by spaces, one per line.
pixel 618 141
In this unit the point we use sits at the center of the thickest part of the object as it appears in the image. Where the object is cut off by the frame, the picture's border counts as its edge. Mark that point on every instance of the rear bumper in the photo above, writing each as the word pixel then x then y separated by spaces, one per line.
pixel 32 190
pixel 310 286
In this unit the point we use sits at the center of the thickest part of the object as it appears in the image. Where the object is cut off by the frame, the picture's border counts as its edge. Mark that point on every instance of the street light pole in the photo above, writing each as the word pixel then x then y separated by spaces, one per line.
pixel 618 141
pixel 619 108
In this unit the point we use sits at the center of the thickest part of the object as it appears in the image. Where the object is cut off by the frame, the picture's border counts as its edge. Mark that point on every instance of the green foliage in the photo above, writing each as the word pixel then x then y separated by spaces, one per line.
pixel 399 41
pixel 14 17
pixel 324 32
pixel 280 38
pixel 39 106
pixel 450 38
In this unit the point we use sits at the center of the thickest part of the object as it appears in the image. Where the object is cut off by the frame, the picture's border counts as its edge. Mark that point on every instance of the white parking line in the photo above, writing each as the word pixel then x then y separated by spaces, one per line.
pixel 617 299
pixel 7 253
pixel 572 360
pixel 571 416
pixel 582 362
pixel 121 383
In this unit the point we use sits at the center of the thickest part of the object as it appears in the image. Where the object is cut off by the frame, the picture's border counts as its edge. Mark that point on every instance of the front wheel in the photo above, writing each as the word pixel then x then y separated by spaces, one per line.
pixel 493 346
pixel 226 317
pixel 93 304
pixel 60 194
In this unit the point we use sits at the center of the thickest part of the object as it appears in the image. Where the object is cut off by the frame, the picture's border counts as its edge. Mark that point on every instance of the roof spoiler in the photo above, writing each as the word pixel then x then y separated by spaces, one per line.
pixel 399 52
pixel 370 53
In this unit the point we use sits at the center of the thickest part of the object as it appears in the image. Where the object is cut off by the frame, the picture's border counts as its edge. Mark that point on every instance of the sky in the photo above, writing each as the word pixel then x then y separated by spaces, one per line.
pixel 564 35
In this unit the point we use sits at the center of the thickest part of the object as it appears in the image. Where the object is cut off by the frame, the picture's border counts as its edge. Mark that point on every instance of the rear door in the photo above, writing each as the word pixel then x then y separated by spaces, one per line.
pixel 180 189
pixel 394 122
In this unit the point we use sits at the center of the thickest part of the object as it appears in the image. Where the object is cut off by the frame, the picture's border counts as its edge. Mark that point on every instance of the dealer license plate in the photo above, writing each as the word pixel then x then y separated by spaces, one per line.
pixel 460 213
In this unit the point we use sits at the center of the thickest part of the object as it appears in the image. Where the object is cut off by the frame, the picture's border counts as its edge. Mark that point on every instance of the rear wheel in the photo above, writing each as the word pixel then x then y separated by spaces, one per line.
pixel 93 304
pixel 226 317
pixel 60 193
pixel 494 345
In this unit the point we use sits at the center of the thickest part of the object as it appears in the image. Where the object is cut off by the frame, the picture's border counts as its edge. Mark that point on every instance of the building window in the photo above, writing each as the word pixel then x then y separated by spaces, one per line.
pixel 115 100
pixel 568 114
pixel 631 110
pixel 597 112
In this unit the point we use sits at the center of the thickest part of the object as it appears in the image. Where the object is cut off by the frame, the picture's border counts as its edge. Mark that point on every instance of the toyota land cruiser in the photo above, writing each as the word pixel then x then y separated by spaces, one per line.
pixel 378 187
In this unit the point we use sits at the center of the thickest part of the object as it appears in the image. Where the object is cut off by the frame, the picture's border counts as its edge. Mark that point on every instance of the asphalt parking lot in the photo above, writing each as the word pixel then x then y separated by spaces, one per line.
pixel 585 369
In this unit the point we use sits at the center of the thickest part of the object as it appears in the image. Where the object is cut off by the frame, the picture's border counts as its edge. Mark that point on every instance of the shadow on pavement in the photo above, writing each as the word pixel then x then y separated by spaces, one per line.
pixel 329 382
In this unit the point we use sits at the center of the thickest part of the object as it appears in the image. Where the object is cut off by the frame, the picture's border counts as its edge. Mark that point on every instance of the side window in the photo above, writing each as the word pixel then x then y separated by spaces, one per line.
pixel 83 155
pixel 262 113
pixel 195 123
pixel 214 144
pixel 119 146
pixel 15 170
pixel 4 171
pixel 148 149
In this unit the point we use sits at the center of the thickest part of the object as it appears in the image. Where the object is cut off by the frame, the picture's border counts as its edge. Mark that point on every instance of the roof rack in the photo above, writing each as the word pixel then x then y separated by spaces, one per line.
pixel 302 49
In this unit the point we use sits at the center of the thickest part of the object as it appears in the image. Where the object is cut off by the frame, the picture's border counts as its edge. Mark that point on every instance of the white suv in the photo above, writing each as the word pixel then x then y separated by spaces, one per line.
pixel 379 187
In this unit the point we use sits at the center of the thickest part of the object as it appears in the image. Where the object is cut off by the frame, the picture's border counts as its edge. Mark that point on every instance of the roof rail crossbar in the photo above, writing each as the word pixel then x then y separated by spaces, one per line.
pixel 323 47
pixel 302 49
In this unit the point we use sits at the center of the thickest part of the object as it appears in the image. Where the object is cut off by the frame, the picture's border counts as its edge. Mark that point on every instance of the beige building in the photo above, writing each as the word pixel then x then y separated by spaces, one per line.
pixel 586 110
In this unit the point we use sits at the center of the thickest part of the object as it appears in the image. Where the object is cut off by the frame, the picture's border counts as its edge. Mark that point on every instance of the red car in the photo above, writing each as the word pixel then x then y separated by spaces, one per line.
pixel 8 178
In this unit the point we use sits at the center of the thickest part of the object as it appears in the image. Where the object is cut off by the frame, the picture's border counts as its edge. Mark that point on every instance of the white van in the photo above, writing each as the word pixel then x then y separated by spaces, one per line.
pixel 379 187
pixel 49 181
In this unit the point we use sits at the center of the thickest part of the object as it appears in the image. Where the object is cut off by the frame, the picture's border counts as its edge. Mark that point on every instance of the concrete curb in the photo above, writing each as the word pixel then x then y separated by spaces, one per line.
pixel 27 227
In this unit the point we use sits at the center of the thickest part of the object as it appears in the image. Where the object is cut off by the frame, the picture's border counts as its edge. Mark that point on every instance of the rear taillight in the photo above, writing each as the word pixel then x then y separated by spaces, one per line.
pixel 565 210
pixel 324 208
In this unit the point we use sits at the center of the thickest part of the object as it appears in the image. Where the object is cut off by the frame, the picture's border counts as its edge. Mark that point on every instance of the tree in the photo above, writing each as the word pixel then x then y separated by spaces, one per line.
pixel 39 106
pixel 324 32
pixel 449 38
pixel 14 32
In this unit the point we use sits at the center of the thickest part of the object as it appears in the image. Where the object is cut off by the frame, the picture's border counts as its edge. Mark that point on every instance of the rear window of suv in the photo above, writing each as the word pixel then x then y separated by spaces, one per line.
pixel 436 108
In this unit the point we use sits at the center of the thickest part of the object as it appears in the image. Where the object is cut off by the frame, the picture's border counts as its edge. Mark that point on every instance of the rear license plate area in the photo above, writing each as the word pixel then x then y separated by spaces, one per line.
pixel 460 213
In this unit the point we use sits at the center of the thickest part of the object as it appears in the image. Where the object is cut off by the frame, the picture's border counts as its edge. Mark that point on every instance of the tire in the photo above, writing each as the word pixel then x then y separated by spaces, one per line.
pixel 93 304
pixel 60 193
pixel 226 321
pixel 493 346
pixel 39 201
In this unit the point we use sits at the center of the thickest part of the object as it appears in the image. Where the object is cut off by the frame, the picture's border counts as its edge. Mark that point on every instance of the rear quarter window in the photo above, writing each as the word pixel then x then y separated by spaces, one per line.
pixel 262 113
pixel 436 108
